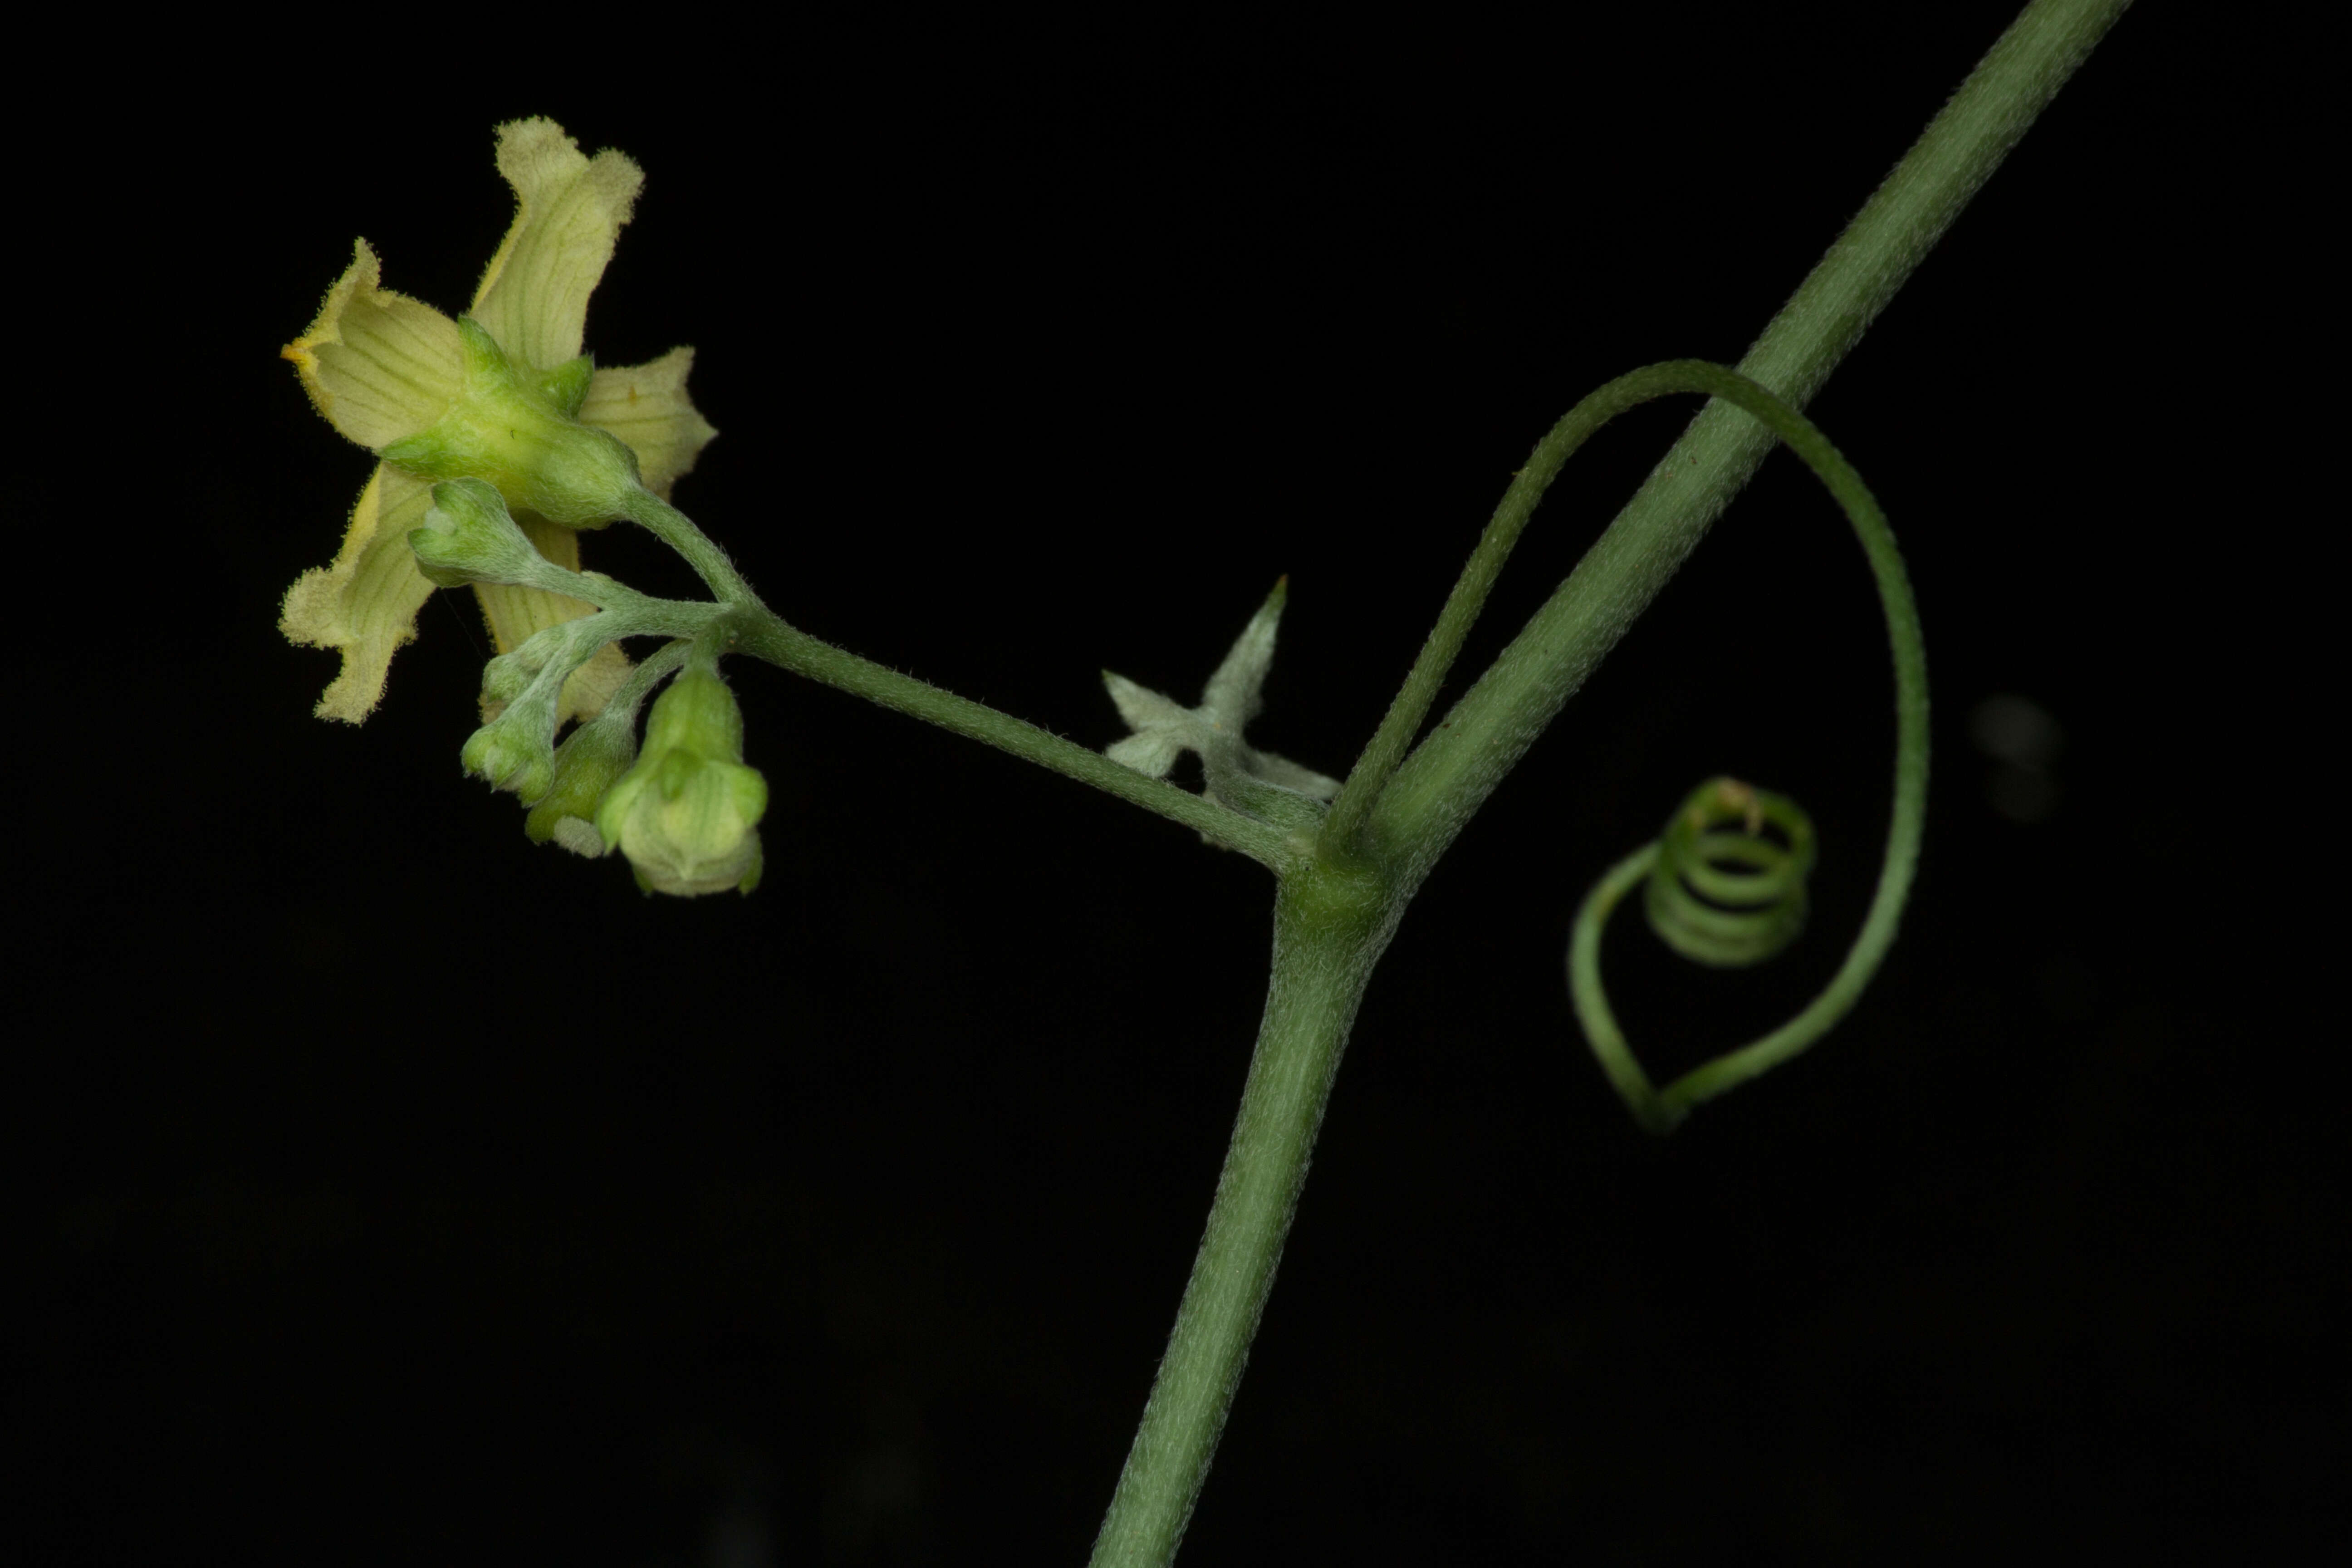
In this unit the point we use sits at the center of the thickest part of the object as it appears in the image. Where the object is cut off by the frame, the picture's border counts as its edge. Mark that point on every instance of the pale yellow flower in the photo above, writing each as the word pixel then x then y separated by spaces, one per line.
pixel 381 367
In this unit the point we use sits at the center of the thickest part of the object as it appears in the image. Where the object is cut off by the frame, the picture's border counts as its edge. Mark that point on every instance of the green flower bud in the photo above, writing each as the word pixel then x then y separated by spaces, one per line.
pixel 469 537
pixel 507 675
pixel 517 434
pixel 697 713
pixel 687 815
pixel 505 679
pixel 506 759
pixel 590 760
pixel 516 751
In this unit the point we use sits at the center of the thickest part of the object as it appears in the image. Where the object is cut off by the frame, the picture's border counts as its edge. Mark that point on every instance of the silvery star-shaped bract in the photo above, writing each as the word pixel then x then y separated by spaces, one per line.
pixel 1164 727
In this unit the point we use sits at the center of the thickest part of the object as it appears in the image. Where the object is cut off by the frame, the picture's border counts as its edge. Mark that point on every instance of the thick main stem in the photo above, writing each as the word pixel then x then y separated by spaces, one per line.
pixel 1328 930
pixel 1444 783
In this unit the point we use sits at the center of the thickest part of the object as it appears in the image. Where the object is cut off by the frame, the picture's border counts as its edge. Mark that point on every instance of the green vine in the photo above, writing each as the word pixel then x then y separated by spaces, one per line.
pixel 499 442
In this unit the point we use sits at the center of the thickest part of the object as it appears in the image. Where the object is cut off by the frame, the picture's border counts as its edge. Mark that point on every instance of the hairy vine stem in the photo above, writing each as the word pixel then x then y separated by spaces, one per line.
pixel 1406 809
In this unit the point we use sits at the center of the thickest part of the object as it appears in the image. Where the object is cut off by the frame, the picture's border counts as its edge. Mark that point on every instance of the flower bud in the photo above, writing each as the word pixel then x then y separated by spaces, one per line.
pixel 469 537
pixel 590 760
pixel 688 813
pixel 507 675
pixel 516 751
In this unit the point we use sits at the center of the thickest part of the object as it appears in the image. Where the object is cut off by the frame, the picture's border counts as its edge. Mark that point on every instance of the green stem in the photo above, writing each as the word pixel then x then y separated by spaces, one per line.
pixel 748 626
pixel 651 671
pixel 678 531
pixel 1329 928
pixel 1386 750
pixel 763 635
pixel 1437 789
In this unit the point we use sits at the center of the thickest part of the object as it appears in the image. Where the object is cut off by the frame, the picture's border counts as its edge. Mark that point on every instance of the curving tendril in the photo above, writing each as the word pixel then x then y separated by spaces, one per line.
pixel 1723 890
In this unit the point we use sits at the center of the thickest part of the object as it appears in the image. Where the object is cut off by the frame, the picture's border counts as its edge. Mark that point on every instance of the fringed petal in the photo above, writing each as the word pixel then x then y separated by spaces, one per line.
pixel 569 211
pixel 365 604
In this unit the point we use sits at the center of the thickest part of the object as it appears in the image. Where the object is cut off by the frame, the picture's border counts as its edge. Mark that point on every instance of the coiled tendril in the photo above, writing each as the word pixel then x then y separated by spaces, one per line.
pixel 1723 892
pixel 1724 885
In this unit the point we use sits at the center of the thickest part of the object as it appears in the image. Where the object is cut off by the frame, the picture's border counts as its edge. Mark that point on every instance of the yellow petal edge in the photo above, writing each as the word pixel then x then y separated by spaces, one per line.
pixel 378 365
pixel 365 604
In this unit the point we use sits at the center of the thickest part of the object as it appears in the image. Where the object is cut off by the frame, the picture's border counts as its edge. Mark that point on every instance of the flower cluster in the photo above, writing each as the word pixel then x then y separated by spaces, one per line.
pixel 420 389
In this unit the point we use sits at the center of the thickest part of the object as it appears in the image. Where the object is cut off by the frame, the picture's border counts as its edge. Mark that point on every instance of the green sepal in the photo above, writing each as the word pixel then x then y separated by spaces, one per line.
pixel 566 386
pixel 512 431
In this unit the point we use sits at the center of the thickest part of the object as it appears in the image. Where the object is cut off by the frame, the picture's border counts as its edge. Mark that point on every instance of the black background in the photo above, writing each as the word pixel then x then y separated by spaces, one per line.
pixel 395 1191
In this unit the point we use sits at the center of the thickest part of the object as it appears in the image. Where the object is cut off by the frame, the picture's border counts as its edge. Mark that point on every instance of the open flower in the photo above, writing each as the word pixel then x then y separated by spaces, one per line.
pixel 384 369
